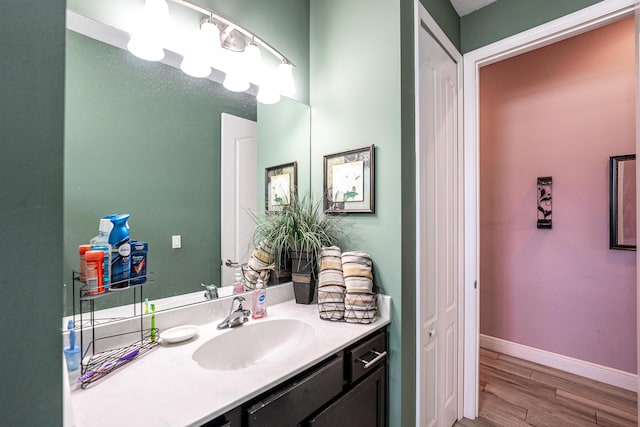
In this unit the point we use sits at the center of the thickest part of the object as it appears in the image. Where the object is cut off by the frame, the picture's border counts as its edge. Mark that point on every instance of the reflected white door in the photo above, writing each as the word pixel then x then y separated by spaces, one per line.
pixel 239 192
pixel 439 232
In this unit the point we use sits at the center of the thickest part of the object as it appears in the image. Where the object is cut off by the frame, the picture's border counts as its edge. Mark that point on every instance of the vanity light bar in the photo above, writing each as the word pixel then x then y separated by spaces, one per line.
pixel 218 18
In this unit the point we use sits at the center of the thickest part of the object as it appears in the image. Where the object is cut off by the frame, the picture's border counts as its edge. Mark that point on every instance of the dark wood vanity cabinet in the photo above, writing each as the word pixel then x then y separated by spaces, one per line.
pixel 363 402
pixel 347 389
pixel 364 405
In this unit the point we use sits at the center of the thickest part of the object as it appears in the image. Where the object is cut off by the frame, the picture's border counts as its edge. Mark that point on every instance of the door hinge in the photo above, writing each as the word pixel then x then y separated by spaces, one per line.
pixel 475 284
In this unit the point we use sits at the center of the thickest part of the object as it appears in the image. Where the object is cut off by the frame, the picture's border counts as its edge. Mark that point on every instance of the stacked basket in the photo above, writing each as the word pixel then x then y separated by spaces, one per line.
pixel 345 287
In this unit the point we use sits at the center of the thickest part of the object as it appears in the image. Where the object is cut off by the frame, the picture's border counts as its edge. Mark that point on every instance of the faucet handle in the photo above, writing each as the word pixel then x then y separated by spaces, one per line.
pixel 240 301
pixel 211 291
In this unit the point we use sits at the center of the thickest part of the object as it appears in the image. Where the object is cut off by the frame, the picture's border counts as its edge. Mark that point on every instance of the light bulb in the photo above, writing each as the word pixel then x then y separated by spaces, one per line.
pixel 285 79
pixel 147 40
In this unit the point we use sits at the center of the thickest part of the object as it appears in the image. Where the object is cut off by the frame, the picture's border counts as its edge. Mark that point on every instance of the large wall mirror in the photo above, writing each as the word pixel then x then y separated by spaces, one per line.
pixel 144 138
pixel 622 234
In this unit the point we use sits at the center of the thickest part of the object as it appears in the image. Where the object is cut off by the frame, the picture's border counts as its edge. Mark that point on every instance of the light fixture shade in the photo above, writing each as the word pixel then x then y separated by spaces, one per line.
pixel 146 41
pixel 145 48
pixel 210 35
pixel 285 79
pixel 253 62
pixel 268 92
pixel 195 66
pixel 200 51
pixel 235 82
pixel 236 78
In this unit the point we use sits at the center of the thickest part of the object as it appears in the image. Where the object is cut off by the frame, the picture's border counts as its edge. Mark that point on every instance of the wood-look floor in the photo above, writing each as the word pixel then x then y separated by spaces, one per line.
pixel 515 392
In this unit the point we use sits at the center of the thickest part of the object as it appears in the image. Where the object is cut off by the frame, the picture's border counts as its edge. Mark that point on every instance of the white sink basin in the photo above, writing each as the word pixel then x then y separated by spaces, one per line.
pixel 262 342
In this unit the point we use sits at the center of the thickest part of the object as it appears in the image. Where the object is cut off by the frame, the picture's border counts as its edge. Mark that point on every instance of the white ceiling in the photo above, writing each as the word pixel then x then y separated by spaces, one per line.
pixel 464 7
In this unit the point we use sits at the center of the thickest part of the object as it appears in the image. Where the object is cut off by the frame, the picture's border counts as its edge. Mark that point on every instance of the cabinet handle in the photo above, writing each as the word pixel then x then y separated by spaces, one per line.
pixel 370 363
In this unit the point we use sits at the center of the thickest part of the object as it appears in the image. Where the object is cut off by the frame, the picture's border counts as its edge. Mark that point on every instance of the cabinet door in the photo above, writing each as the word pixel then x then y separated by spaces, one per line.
pixel 232 418
pixel 365 405
pixel 291 405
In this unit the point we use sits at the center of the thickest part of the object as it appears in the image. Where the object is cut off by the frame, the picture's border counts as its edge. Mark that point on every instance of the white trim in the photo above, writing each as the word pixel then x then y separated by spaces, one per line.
pixel 416 85
pixel 578 22
pixel 421 15
pixel 604 374
pixel 637 36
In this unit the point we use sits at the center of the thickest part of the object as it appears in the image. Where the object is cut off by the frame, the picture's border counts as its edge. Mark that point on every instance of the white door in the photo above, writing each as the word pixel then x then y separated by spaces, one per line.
pixel 239 192
pixel 439 232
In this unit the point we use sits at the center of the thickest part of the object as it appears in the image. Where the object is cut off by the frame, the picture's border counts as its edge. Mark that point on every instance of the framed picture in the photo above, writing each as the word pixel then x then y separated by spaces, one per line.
pixel 280 183
pixel 349 181
pixel 622 202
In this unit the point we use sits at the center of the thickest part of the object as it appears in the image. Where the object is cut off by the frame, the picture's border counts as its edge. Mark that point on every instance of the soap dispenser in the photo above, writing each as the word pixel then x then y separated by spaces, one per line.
pixel 259 301
pixel 238 283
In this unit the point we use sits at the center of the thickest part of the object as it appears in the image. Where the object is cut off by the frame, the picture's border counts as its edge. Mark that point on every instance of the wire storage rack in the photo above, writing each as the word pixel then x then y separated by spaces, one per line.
pixel 96 365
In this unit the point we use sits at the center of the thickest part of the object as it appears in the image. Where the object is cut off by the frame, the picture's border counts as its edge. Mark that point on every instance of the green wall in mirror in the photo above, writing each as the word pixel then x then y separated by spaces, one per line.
pixel 144 138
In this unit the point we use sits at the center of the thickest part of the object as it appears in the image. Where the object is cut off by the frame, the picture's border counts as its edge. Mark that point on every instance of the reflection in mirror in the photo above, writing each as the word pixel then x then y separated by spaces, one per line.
pixel 623 202
pixel 144 138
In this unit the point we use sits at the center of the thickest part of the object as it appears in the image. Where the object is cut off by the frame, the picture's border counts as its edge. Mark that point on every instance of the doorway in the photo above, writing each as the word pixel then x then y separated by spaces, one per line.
pixel 238 177
pixel 590 18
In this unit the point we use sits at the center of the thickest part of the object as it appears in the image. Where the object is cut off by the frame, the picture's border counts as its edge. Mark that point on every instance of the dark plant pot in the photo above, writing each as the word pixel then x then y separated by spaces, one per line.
pixel 282 272
pixel 303 277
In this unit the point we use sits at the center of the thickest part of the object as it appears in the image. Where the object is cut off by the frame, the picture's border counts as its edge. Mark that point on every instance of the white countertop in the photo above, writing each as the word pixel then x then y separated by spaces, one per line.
pixel 166 387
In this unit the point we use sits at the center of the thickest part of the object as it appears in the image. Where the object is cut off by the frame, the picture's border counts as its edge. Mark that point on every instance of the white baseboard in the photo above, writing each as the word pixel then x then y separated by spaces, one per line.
pixel 585 369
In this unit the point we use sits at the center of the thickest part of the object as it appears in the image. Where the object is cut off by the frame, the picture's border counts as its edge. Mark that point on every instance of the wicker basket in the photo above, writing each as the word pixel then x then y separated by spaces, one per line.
pixel 360 308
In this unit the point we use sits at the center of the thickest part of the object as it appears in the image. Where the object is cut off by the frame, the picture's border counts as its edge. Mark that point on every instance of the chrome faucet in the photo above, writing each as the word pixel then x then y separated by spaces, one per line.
pixel 211 291
pixel 237 314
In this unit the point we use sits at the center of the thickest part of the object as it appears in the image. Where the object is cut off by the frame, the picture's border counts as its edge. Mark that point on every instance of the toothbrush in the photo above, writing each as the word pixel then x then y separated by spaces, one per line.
pixel 153 323
pixel 108 365
pixel 146 306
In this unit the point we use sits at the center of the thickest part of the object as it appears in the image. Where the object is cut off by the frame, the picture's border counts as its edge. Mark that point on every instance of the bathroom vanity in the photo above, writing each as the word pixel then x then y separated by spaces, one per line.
pixel 346 389
pixel 291 368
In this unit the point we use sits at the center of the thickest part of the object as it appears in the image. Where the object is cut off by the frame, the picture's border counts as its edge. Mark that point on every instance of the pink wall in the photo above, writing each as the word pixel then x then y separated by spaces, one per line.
pixel 560 111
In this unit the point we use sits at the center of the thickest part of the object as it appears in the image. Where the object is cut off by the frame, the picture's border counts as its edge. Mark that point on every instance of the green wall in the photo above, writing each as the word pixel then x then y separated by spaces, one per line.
pixel 505 18
pixel 443 13
pixel 355 102
pixel 144 138
pixel 31 137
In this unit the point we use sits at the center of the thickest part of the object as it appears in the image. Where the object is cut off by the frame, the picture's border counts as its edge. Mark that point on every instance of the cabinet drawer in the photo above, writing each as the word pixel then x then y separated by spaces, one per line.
pixel 366 356
pixel 291 405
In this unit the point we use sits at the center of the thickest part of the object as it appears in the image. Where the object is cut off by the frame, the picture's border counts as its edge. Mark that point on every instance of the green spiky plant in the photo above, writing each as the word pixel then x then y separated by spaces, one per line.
pixel 300 227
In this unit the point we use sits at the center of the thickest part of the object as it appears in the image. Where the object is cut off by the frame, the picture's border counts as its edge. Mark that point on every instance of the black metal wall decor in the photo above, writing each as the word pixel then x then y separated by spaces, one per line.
pixel 544 202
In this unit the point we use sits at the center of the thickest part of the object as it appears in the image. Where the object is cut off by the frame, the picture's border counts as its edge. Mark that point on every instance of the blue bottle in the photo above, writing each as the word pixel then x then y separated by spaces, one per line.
pixel 139 252
pixel 120 251
pixel 101 243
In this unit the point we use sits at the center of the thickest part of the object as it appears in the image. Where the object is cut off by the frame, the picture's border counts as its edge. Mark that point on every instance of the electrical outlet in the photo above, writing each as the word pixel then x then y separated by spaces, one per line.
pixel 176 241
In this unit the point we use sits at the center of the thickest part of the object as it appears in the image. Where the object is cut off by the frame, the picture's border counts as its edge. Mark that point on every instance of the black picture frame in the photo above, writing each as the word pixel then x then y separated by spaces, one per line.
pixel 274 183
pixel 356 169
pixel 622 235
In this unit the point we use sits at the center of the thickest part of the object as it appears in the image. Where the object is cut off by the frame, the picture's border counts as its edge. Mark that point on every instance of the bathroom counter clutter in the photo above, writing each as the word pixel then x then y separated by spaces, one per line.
pixel 195 381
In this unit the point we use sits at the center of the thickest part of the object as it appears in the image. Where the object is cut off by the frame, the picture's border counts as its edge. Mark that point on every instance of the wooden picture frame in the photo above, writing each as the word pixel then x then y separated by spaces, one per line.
pixel 280 186
pixel 622 202
pixel 349 181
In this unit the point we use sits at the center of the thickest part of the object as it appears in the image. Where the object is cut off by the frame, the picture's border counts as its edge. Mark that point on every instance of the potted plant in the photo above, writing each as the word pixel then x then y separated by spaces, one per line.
pixel 298 233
